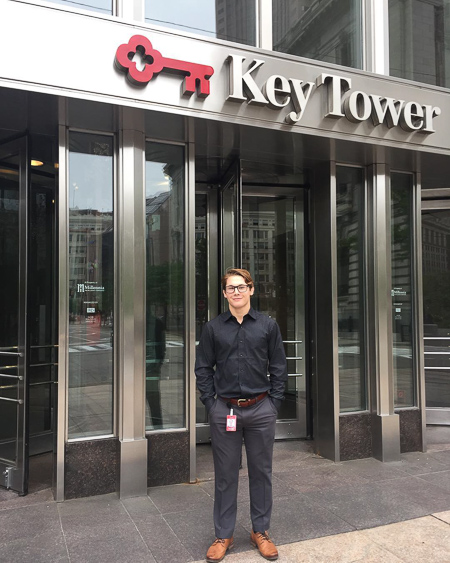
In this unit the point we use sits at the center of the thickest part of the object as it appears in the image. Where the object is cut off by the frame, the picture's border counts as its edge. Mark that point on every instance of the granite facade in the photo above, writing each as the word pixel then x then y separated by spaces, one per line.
pixel 91 467
pixel 168 458
pixel 355 436
pixel 410 430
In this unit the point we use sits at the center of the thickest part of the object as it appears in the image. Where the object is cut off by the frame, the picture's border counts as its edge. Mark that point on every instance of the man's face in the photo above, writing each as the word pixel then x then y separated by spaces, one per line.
pixel 236 299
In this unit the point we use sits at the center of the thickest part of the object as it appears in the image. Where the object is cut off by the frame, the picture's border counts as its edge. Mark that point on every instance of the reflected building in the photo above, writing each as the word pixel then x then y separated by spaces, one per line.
pixel 436 243
pixel 326 30
pixel 419 48
pixel 235 21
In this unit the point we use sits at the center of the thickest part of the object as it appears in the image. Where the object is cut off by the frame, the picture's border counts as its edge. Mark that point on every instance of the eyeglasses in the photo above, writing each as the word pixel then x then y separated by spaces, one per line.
pixel 231 288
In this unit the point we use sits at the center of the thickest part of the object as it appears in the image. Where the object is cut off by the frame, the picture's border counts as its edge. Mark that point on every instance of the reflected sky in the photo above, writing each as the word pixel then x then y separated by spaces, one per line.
pixel 196 14
pixel 103 6
pixel 91 178
pixel 156 181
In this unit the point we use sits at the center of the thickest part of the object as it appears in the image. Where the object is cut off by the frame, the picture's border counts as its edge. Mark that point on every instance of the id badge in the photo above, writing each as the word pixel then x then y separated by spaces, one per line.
pixel 231 422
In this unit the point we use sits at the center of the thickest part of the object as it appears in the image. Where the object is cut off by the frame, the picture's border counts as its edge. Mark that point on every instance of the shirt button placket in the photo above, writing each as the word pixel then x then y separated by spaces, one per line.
pixel 240 355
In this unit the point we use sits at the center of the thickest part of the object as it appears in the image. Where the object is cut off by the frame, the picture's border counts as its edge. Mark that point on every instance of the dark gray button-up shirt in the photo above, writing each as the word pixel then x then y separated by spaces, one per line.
pixel 248 358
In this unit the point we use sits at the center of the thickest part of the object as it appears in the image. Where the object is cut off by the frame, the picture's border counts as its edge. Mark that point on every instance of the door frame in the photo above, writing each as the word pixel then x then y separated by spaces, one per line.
pixel 286 429
pixel 14 474
pixel 289 428
pixel 439 416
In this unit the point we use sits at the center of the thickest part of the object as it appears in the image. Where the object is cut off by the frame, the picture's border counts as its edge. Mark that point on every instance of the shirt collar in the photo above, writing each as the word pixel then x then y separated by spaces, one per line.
pixel 227 315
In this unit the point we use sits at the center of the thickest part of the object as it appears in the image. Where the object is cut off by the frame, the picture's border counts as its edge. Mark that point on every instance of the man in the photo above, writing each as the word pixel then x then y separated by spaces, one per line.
pixel 243 346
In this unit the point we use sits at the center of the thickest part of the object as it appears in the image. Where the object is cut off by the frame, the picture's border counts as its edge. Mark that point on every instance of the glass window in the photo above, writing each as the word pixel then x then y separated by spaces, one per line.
pixel 232 20
pixel 436 306
pixel 102 6
pixel 350 280
pixel 402 314
pixel 325 31
pixel 165 314
pixel 91 285
pixel 419 32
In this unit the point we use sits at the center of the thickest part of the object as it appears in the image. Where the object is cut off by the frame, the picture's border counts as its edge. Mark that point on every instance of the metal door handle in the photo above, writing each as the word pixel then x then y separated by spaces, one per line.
pixel 19 377
pixel 20 401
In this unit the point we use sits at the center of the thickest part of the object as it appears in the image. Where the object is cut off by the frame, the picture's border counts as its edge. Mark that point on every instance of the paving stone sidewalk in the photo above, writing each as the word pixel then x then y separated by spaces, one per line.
pixel 360 510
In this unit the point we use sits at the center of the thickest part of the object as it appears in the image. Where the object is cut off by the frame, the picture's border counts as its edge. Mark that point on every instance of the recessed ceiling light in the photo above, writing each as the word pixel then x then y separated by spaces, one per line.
pixel 36 163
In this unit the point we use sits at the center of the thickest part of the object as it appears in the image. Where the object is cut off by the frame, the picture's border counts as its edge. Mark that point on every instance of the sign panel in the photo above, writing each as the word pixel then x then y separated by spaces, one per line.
pixel 104 59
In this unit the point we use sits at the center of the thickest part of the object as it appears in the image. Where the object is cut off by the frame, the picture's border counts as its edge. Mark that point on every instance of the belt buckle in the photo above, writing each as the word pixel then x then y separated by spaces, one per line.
pixel 241 400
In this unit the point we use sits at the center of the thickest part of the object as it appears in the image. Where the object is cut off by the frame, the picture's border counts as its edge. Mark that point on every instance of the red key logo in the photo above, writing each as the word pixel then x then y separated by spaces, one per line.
pixel 196 76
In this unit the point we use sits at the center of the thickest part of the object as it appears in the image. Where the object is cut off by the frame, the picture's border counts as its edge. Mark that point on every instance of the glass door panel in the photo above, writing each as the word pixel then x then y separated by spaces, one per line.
pixel 201 282
pixel 229 246
pixel 436 312
pixel 13 346
pixel 212 258
pixel 42 368
pixel 272 250
pixel 261 228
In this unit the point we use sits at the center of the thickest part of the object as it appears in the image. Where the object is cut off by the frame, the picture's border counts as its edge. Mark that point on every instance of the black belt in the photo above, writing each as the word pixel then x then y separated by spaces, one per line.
pixel 245 402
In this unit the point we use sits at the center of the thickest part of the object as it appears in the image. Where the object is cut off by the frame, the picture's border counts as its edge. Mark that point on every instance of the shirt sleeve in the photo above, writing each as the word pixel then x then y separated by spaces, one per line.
pixel 277 364
pixel 205 361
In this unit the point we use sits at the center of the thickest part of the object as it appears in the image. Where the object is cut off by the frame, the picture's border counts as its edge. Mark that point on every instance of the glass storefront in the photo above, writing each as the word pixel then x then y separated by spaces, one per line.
pixel 402 288
pixel 419 47
pixel 165 306
pixel 350 288
pixel 232 20
pixel 91 285
pixel 326 31
pixel 109 244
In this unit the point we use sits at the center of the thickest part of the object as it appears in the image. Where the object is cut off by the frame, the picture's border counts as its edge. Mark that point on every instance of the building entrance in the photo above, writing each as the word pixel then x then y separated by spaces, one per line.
pixel 27 323
pixel 436 304
pixel 257 224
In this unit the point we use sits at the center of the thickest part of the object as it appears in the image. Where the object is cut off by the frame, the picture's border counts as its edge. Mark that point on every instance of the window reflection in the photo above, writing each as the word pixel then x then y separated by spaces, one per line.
pixel 350 260
pixel 9 290
pixel 418 40
pixel 201 263
pixel 165 363
pixel 325 30
pixel 91 285
pixel 272 252
pixel 436 306
pixel 232 20
pixel 102 6
pixel 201 282
pixel 401 250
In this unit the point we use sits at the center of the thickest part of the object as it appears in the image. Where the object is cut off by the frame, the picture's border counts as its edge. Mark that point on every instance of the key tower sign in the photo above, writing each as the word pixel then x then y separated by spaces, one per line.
pixel 277 91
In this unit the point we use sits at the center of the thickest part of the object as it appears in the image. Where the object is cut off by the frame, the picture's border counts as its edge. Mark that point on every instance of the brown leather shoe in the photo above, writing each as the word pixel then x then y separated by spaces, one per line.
pixel 265 545
pixel 219 549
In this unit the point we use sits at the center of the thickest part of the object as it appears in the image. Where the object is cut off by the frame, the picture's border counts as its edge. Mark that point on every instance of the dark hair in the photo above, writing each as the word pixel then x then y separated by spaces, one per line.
pixel 237 272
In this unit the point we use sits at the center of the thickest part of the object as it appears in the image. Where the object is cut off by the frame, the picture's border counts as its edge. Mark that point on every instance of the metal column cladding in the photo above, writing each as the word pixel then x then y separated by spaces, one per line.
pixel 385 423
pixel 131 348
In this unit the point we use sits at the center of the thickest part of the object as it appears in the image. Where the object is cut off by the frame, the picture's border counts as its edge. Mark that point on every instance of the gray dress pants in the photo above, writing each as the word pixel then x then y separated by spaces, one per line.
pixel 256 424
